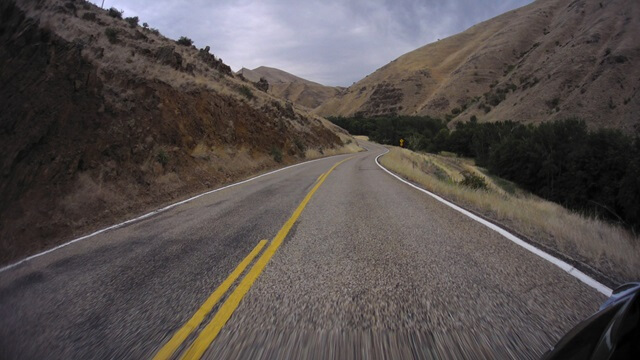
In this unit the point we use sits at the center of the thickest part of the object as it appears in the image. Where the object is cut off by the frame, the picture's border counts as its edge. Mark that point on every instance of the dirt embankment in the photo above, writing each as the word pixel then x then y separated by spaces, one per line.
pixel 86 145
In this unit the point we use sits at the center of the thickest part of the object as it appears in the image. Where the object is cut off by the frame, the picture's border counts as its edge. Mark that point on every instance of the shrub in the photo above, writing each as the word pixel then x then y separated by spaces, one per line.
pixel 184 41
pixel 509 69
pixel 133 21
pixel 553 103
pixel 473 181
pixel 115 13
pixel 145 25
pixel 276 153
pixel 162 157
pixel 620 59
pixel 89 16
pixel 300 145
pixel 112 34
pixel 246 91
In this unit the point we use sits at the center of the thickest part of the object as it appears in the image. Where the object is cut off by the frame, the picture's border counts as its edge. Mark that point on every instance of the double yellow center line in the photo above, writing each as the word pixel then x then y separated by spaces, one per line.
pixel 209 333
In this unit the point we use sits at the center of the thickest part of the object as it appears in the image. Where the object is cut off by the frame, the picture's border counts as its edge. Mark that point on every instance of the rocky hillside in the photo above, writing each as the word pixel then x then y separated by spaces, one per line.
pixel 549 60
pixel 290 87
pixel 103 118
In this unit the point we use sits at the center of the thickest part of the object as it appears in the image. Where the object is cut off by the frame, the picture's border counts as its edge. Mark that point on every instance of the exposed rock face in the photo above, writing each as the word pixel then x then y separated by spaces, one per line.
pixel 212 62
pixel 552 59
pixel 262 84
pixel 384 100
pixel 166 55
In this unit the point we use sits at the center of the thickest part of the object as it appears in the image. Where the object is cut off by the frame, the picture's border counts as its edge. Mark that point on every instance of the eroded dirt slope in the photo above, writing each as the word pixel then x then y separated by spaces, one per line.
pixel 94 131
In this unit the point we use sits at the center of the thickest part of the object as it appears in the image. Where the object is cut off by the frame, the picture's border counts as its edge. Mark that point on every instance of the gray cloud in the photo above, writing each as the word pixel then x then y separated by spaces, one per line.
pixel 332 42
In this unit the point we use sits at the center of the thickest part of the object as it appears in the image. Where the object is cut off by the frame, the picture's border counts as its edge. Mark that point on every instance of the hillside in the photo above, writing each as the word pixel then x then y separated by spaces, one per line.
pixel 290 87
pixel 103 118
pixel 548 60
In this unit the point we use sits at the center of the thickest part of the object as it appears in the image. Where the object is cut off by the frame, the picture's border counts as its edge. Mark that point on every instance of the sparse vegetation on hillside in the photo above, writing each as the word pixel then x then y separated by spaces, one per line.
pixel 162 157
pixel 276 153
pixel 473 181
pixel 112 35
pixel 516 65
pixel 246 92
pixel 302 147
pixel 144 121
pixel 115 13
pixel 185 41
pixel 132 21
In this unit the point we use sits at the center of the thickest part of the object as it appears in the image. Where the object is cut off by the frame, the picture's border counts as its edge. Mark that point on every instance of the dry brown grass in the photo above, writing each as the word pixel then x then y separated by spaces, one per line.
pixel 173 128
pixel 609 249
pixel 345 149
pixel 125 55
pixel 349 144
pixel 541 49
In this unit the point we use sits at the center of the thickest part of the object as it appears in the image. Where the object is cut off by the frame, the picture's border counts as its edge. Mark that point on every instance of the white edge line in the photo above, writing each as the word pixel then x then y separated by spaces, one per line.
pixel 154 212
pixel 571 270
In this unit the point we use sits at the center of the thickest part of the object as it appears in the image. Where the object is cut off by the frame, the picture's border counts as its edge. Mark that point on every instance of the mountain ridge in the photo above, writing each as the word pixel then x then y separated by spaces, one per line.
pixel 548 60
pixel 291 87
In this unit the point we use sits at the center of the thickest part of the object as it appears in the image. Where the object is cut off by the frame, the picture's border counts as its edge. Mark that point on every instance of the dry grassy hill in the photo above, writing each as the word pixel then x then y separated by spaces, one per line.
pixel 548 60
pixel 290 87
pixel 103 118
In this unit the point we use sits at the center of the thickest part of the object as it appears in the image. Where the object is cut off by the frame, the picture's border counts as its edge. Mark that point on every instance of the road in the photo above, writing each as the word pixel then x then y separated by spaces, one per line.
pixel 370 268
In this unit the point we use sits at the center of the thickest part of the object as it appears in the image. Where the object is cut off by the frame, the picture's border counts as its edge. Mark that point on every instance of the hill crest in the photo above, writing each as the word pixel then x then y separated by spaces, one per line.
pixel 291 87
pixel 548 60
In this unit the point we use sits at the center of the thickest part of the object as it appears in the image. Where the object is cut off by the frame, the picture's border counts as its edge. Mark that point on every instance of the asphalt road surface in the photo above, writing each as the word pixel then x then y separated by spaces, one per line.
pixel 369 268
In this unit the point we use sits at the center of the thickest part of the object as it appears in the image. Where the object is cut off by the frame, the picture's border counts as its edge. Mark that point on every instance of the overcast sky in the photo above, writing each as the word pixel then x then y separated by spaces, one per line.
pixel 333 42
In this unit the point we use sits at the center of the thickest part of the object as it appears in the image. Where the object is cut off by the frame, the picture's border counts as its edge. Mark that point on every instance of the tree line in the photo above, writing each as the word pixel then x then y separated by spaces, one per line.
pixel 595 172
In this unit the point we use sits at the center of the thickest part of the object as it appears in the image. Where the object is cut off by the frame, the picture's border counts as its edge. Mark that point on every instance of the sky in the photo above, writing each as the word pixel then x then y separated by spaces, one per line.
pixel 333 42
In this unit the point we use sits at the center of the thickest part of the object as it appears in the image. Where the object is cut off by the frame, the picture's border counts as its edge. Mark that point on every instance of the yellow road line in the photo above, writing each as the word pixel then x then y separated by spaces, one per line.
pixel 206 337
pixel 170 347
pixel 319 177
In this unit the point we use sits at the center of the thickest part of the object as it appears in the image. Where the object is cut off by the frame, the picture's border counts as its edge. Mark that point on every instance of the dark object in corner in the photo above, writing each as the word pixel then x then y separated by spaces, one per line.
pixel 611 333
